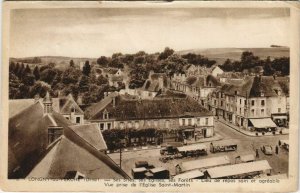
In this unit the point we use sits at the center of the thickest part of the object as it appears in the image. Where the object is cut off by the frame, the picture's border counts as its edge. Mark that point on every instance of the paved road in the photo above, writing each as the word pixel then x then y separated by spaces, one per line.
pixel 246 145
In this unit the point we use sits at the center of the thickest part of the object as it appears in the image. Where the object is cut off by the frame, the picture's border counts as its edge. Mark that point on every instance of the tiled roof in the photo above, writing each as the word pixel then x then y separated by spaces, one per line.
pixel 67 104
pixel 67 155
pixel 92 134
pixel 110 70
pixel 254 86
pixel 62 105
pixel 28 133
pixel 214 80
pixel 95 108
pixel 152 109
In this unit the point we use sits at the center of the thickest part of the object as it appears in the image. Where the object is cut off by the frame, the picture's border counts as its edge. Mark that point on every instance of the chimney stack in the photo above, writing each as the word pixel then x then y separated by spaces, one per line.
pixel 114 101
pixel 36 98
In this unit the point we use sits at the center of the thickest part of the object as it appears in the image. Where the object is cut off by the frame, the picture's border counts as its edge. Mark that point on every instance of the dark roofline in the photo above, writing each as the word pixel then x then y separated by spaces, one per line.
pixel 91 149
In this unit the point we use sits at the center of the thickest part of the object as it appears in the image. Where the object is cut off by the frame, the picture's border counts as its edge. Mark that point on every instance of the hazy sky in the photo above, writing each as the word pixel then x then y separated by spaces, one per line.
pixel 96 32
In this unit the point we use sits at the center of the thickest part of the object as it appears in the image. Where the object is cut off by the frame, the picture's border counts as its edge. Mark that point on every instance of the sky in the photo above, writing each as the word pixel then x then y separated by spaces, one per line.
pixel 93 32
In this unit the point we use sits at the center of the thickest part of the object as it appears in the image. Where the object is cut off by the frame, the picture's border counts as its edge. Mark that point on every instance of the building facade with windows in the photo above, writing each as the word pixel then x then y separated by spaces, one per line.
pixel 258 103
pixel 162 113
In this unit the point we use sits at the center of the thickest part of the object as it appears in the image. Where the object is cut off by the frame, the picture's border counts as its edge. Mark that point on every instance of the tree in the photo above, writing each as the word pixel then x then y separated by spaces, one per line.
pixel 14 84
pixel 268 70
pixel 70 76
pixel 40 88
pixel 72 64
pixel 16 69
pixel 48 75
pixel 282 65
pixel 12 66
pixel 166 53
pixel 248 60
pixel 36 73
pixel 86 70
pixel 102 61
pixel 227 66
pixel 27 70
pixel 84 84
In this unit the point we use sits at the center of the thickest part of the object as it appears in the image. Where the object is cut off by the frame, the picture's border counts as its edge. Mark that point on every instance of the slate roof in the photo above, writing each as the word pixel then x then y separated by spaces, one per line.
pixel 91 133
pixel 152 83
pixel 110 70
pixel 152 109
pixel 214 80
pixel 62 105
pixel 78 149
pixel 28 134
pixel 254 86
pixel 194 81
pixel 68 155
pixel 95 108
pixel 67 104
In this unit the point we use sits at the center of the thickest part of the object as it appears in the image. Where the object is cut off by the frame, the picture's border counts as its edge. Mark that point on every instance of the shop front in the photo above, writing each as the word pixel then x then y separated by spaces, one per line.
pixel 280 120
pixel 262 125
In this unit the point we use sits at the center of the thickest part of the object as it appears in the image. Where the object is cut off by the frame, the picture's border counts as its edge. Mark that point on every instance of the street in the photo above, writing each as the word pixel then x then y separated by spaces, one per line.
pixel 246 145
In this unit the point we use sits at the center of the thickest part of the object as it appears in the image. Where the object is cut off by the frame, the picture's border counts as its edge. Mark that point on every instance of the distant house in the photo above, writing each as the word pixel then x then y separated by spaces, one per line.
pixel 66 106
pixel 156 82
pixel 162 113
pixel 192 70
pixel 197 87
pixel 42 143
pixel 215 71
pixel 114 76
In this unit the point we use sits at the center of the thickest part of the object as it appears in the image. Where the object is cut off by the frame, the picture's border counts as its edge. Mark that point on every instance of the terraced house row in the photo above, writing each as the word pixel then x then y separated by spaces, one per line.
pixel 259 103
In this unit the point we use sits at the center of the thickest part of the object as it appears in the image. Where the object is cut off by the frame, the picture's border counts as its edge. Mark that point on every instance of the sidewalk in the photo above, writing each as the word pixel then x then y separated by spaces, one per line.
pixel 216 137
pixel 249 133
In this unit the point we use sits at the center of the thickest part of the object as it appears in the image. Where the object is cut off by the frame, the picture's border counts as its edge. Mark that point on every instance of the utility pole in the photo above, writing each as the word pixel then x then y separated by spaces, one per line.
pixel 120 156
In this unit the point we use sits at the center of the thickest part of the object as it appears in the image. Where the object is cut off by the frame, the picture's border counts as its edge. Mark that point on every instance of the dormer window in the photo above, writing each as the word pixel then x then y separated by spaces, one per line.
pixel 73 110
pixel 54 133
pixel 76 175
pixel 105 114
pixel 262 94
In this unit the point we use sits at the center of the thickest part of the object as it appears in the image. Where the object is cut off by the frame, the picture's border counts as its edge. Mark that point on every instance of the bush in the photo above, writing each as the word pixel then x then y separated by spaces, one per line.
pixel 256 134
pixel 263 133
pixel 280 132
pixel 273 132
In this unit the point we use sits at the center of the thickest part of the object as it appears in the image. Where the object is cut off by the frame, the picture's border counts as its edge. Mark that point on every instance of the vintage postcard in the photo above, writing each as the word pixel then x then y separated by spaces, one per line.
pixel 150 96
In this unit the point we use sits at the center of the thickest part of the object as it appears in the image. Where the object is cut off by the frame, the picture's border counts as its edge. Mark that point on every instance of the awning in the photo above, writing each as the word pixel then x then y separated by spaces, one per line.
pixel 190 130
pixel 279 116
pixel 263 123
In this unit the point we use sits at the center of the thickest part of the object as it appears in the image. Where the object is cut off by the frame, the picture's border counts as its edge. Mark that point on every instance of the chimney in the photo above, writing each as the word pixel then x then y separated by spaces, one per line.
pixel 47 104
pixel 36 98
pixel 114 101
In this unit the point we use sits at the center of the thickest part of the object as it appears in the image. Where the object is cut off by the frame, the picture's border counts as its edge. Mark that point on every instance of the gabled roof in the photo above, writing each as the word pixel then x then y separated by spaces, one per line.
pixel 152 109
pixel 110 70
pixel 68 104
pixel 254 86
pixel 68 155
pixel 28 133
pixel 62 105
pixel 92 134
pixel 97 107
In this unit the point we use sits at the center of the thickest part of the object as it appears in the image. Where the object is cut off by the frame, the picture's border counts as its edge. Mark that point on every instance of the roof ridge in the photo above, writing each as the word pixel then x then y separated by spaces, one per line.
pixel 84 138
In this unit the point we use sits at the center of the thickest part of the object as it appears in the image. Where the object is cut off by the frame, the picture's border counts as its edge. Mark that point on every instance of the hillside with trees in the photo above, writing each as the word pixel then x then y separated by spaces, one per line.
pixel 251 63
pixel 28 77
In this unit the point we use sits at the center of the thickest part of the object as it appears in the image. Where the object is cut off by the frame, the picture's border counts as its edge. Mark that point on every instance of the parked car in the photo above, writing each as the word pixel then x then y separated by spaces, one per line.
pixel 169 150
pixel 267 149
